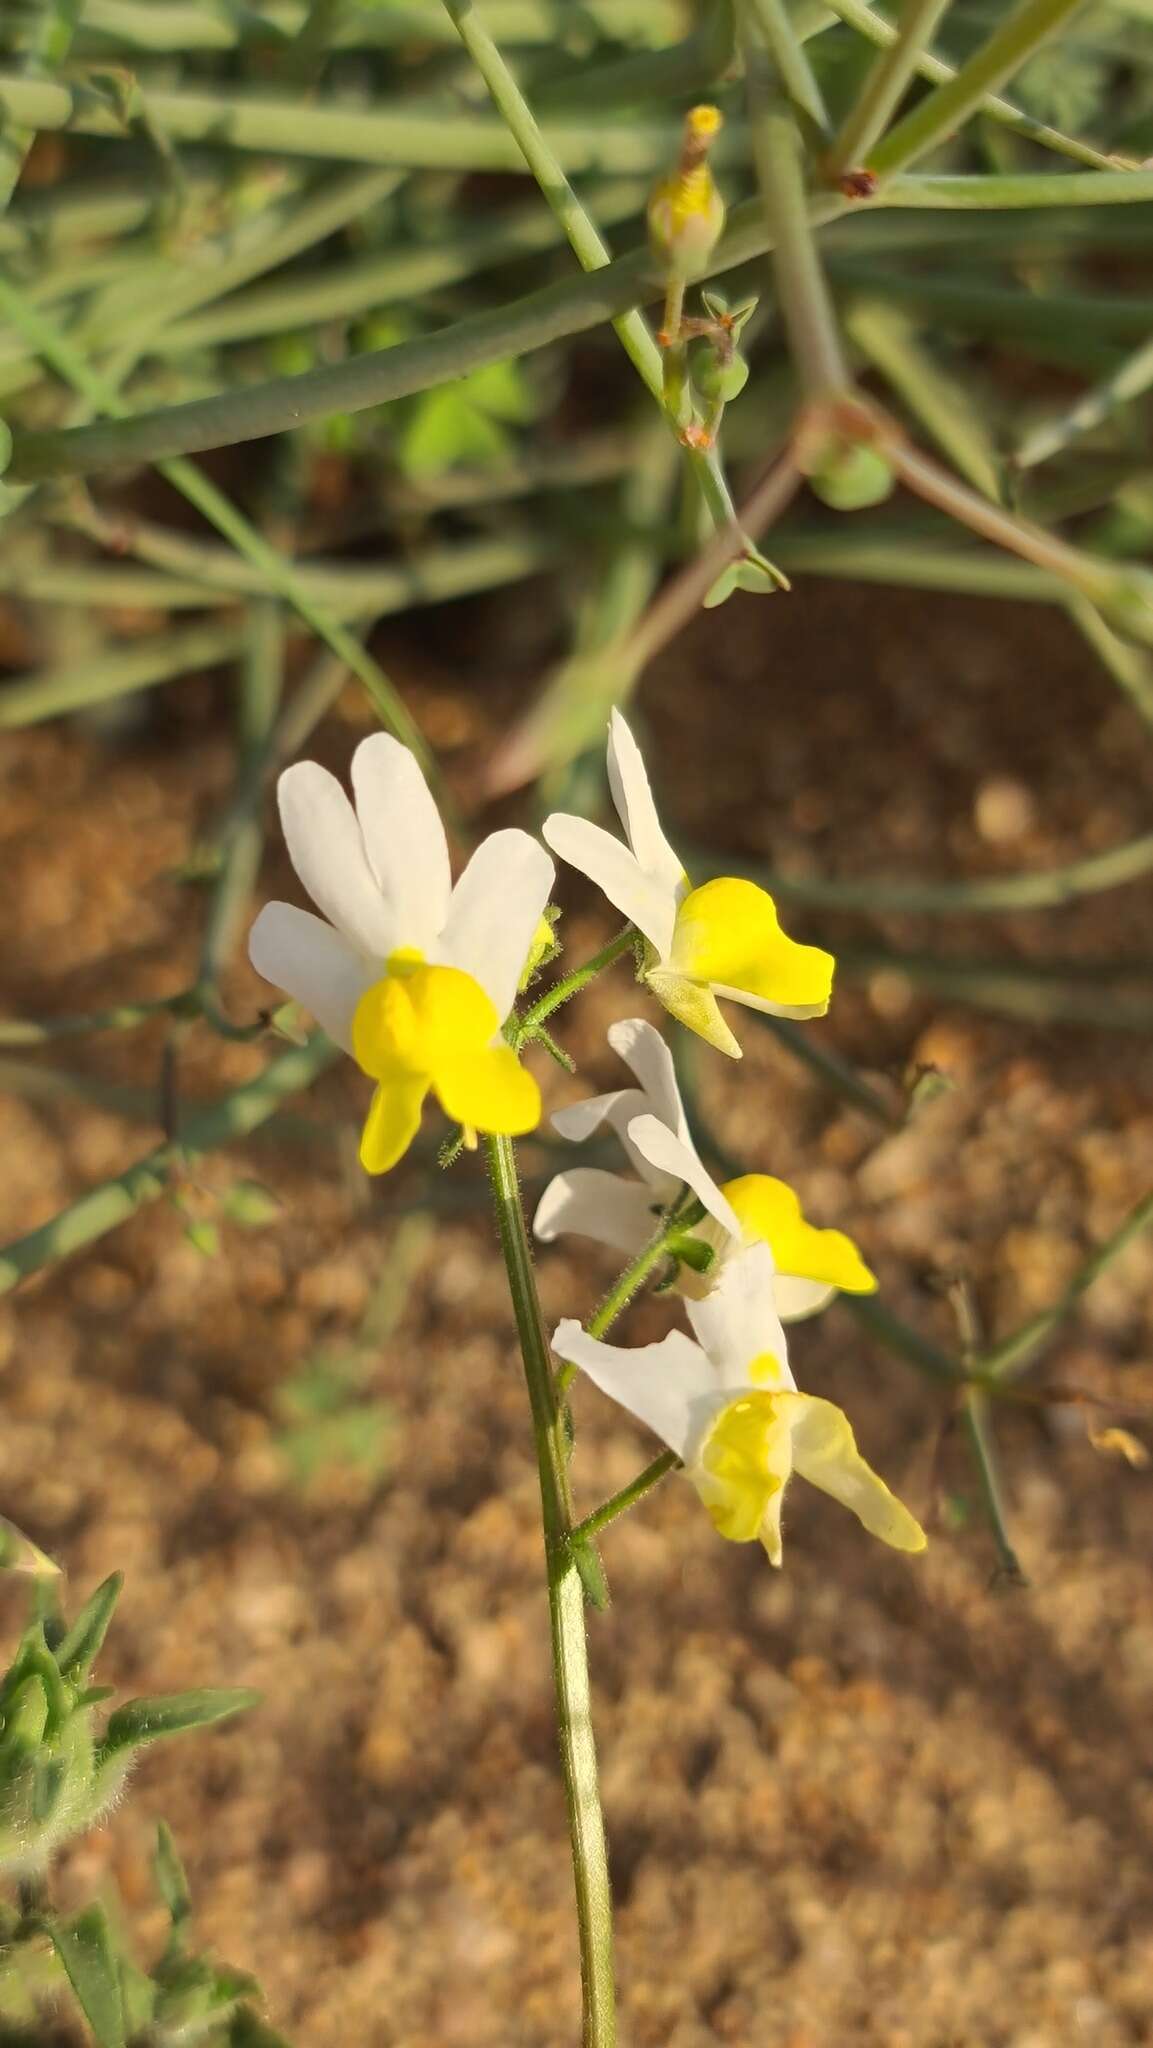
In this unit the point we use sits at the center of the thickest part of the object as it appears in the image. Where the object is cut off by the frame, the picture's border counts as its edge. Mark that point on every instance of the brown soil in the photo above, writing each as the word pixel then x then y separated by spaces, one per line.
pixel 865 1800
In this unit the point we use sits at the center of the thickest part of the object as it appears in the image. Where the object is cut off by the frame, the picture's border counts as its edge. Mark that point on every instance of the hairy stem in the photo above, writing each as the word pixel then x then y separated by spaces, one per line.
pixel 572 985
pixel 619 1503
pixel 566 1613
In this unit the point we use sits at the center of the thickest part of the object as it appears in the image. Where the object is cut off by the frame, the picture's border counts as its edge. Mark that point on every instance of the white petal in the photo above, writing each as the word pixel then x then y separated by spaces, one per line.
pixel 669 1386
pixel 578 1120
pixel 403 838
pixel 650 905
pixel 618 1109
pixel 633 797
pixel 797 1010
pixel 313 964
pixel 603 1206
pixel 328 854
pixel 641 1047
pixel 798 1298
pixel 738 1322
pixel 672 1157
pixel 494 913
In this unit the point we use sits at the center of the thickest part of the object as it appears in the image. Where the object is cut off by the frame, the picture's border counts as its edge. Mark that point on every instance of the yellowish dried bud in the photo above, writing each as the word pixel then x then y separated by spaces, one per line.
pixel 686 213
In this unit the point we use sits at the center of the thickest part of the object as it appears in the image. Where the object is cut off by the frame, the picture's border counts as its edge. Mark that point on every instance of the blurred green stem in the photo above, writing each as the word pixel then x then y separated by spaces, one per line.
pixel 977 1420
pixel 182 26
pixel 571 307
pixel 590 250
pixel 202 1130
pixel 240 839
pixel 792 66
pixel 867 23
pixel 1008 1359
pixel 885 86
pixel 52 38
pixel 942 112
pixel 57 349
pixel 814 341
pixel 566 1613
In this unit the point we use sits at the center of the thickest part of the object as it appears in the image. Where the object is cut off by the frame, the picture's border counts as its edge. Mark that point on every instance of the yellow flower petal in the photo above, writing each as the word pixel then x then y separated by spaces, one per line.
pixel 825 1453
pixel 416 1016
pixel 728 935
pixel 384 1034
pixel 742 1465
pixel 392 1122
pixel 453 1014
pixel 760 1439
pixel 694 1007
pixel 768 1209
pixel 490 1090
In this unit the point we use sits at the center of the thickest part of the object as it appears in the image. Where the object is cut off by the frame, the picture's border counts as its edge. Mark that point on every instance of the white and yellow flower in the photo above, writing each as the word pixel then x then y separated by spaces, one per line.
pixel 728 1405
pixel 722 939
pixel 412 976
pixel 812 1265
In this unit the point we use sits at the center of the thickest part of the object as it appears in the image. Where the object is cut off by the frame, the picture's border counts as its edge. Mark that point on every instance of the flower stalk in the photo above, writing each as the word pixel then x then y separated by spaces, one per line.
pixel 566 1614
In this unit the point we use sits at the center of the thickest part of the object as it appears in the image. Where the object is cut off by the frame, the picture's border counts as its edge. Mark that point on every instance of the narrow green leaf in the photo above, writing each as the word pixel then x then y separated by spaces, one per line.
pixel 591 1573
pixel 84 1946
pixel 171 1881
pixel 145 1720
pixel 18 1553
pixel 248 2030
pixel 78 1652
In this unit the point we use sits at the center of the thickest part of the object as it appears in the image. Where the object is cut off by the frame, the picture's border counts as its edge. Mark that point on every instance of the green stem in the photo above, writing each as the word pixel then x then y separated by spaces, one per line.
pixel 141 311
pixel 1084 573
pixel 541 317
pixel 867 23
pixel 619 1503
pixel 629 1284
pixel 54 32
pixel 810 321
pixel 241 837
pixel 935 398
pixel 28 700
pixel 830 1068
pixel 1131 380
pixel 571 985
pixel 790 61
pixel 978 1428
pixel 916 1349
pixel 585 240
pixel 181 26
pixel 432 137
pixel 122 1017
pixel 199 490
pixel 620 1294
pixel 202 1130
pixel 566 1613
pixel 885 86
pixel 943 111
pixel 1048 889
pixel 1008 1359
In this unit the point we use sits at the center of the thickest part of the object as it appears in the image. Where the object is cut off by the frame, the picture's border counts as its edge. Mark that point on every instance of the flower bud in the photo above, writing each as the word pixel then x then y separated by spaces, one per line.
pixel 686 213
pixel 717 377
pixel 850 476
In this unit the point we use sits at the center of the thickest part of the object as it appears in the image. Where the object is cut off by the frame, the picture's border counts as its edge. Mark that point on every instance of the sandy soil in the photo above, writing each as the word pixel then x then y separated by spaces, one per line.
pixel 867 1800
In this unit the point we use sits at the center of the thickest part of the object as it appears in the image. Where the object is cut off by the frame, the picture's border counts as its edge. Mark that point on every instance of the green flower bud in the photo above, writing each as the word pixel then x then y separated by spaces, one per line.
pixel 715 378
pixel 850 477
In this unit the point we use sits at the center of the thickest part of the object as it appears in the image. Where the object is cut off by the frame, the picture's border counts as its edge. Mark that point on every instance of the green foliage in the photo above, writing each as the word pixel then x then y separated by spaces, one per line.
pixel 59 1771
pixel 466 424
